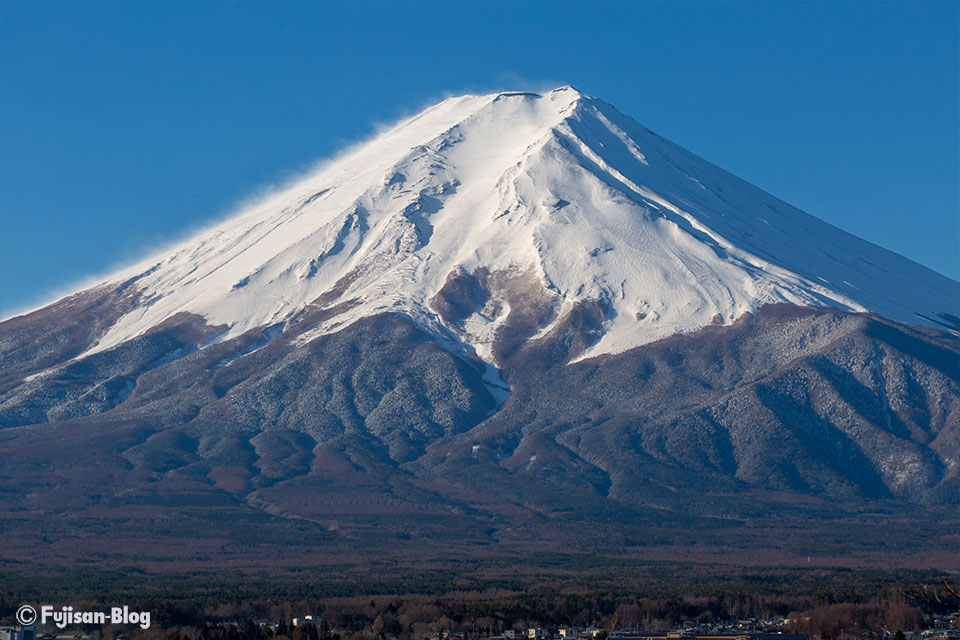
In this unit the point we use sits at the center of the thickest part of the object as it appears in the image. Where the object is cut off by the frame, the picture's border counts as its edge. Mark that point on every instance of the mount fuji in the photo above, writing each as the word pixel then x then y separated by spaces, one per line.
pixel 506 312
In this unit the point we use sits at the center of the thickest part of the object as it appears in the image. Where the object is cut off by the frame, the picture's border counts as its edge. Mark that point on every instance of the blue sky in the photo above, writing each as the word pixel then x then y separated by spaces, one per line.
pixel 125 125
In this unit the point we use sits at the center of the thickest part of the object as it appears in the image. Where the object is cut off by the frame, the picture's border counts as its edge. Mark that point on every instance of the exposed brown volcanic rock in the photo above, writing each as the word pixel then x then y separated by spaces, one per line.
pixel 763 435
pixel 60 331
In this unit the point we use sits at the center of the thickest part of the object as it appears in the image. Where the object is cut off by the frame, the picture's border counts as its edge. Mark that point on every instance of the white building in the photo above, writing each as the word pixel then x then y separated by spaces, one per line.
pixel 19 632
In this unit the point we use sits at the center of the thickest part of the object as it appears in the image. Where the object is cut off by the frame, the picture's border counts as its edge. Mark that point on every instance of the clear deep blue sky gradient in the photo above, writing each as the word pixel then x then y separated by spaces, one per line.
pixel 125 125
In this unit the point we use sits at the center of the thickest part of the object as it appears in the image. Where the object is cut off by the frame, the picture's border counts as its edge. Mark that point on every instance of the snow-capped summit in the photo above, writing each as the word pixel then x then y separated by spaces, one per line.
pixel 558 191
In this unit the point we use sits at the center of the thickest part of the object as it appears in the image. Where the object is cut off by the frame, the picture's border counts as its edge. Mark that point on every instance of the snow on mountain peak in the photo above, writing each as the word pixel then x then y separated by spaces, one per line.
pixel 556 197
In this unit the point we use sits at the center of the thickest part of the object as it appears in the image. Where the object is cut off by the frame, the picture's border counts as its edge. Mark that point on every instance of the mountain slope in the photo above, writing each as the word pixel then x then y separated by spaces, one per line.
pixel 795 433
pixel 512 322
